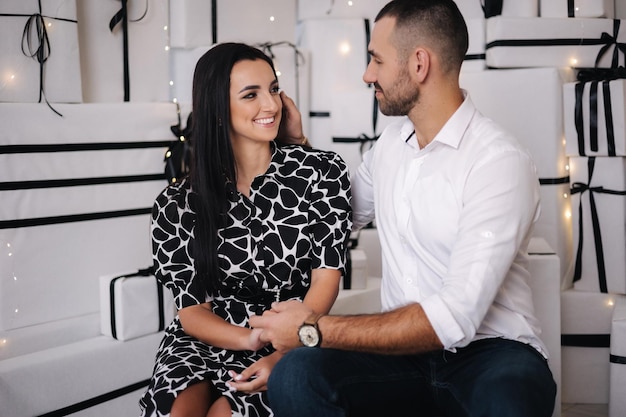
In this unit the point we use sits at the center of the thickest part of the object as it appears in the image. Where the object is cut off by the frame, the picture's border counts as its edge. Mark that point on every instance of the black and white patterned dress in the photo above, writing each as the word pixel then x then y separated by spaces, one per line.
pixel 297 218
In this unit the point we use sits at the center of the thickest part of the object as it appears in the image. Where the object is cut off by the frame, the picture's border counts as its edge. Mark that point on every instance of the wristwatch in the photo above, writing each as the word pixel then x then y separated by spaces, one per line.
pixel 309 332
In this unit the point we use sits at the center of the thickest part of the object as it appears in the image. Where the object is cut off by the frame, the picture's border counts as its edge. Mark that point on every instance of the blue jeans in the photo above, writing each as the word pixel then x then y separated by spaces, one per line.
pixel 494 377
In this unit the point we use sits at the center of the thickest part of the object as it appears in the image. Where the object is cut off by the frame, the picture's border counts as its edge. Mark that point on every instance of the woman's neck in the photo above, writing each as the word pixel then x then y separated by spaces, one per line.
pixel 251 160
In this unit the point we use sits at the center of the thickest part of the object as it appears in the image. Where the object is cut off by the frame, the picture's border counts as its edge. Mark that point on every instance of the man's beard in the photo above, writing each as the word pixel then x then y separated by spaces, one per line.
pixel 400 98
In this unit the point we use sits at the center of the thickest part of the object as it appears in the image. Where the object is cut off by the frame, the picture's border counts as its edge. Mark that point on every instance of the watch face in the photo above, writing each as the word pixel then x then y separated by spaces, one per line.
pixel 309 335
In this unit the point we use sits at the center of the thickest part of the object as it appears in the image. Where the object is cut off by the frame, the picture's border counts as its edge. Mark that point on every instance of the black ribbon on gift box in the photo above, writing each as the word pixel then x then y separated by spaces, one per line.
pixel 492 7
pixel 178 154
pixel 41 50
pixel 579 188
pixel 593 77
pixel 620 360
pixel 606 40
pixel 121 17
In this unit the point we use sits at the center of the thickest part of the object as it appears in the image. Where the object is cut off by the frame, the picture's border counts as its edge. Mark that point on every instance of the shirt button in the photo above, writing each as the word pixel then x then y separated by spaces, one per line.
pixel 409 281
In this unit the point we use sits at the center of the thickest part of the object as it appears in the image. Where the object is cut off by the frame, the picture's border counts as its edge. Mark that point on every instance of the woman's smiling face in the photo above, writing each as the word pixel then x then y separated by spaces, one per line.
pixel 255 104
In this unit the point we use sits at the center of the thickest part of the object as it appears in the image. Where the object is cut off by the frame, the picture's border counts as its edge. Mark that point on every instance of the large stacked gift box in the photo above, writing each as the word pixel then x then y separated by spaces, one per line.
pixel 556 80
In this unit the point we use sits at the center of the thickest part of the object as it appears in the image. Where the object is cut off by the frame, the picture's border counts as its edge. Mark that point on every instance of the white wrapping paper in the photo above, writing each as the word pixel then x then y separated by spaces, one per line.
pixel 132 306
pixel 617 368
pixel 511 8
pixel 67 218
pixel 581 8
pixel 332 9
pixel 610 212
pixel 19 74
pixel 616 119
pixel 552 42
pixel 585 328
pixel 102 57
pixel 475 57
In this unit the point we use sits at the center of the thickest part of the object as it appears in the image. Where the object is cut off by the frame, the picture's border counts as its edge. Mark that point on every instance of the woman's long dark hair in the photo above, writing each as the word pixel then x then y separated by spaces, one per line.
pixel 212 174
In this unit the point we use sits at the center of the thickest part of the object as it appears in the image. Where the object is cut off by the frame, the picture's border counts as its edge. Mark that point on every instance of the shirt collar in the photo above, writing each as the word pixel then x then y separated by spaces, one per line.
pixel 453 130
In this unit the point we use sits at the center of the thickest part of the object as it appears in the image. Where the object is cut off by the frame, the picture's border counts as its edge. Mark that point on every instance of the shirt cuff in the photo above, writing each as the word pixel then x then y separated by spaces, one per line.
pixel 442 321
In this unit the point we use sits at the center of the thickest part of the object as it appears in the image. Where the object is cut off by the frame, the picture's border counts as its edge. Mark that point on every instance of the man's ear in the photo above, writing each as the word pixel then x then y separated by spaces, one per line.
pixel 421 64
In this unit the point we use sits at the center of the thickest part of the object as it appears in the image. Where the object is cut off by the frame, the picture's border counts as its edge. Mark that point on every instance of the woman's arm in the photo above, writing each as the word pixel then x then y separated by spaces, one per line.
pixel 200 322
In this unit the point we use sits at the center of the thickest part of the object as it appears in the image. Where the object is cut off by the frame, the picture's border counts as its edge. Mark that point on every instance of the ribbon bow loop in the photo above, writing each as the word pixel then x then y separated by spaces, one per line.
pixel 610 40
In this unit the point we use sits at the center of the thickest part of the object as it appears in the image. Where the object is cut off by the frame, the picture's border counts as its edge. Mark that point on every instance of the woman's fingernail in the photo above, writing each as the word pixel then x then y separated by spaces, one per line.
pixel 238 377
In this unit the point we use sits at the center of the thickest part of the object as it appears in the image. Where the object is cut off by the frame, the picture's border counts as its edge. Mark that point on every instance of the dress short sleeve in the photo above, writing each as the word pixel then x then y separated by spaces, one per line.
pixel 172 242
pixel 330 214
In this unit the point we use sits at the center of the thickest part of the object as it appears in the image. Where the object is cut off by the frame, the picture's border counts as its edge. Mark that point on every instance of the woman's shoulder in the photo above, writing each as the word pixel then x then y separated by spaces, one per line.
pixel 313 157
pixel 176 194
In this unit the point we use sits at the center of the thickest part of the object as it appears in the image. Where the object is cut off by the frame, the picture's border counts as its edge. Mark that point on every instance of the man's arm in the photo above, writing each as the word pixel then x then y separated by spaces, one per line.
pixel 405 330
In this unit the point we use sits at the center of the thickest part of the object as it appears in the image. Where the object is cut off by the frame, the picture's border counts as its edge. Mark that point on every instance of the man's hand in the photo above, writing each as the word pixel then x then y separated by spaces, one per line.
pixel 280 324
pixel 290 131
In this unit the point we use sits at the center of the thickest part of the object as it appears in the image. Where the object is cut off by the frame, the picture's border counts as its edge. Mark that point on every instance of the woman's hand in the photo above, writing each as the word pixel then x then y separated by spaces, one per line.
pixel 254 340
pixel 290 131
pixel 254 378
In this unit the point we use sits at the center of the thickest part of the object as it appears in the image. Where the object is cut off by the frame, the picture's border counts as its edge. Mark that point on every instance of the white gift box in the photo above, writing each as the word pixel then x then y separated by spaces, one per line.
pixel 513 98
pixel 620 10
pixel 252 22
pixel 511 8
pixel 577 8
pixel 609 117
pixel 617 367
pixel 545 284
pixel 553 42
pixel 191 23
pixel 76 202
pixel 182 66
pixel 586 327
pixel 21 78
pixel 599 222
pixel 98 376
pixel 102 51
pixel 475 57
pixel 134 305
pixel 331 9
pixel 339 57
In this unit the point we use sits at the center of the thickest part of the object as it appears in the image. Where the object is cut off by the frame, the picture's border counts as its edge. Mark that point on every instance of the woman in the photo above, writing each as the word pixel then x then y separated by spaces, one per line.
pixel 252 223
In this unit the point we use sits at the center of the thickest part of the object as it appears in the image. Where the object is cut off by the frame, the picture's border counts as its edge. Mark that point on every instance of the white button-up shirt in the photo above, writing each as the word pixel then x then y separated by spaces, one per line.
pixel 454 221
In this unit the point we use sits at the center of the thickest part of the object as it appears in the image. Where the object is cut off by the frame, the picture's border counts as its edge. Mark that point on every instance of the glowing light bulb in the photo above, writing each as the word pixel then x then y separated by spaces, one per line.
pixel 568 214
pixel 165 27
pixel 3 342
pixel 167 47
pixel 567 167
pixel 278 73
pixel 272 18
pixel 564 195
pixel 350 3
pixel 573 62
pixel 344 48
pixel 174 100
pixel 168 154
pixel 171 82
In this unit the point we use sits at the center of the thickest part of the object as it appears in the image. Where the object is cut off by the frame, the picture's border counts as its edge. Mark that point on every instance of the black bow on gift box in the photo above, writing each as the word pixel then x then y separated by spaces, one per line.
pixel 177 157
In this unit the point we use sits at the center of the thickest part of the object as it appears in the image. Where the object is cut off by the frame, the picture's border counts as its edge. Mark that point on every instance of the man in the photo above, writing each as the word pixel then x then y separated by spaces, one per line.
pixel 455 198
